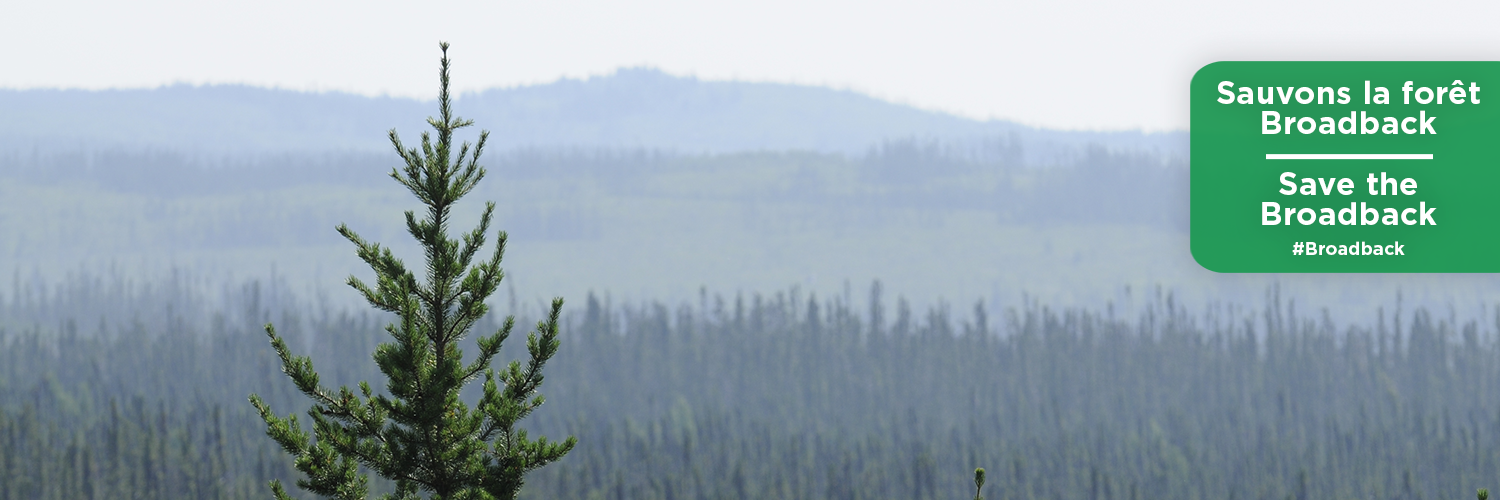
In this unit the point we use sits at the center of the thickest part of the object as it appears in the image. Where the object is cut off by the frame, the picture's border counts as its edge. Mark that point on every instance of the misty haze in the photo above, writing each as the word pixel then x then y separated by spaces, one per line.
pixel 772 291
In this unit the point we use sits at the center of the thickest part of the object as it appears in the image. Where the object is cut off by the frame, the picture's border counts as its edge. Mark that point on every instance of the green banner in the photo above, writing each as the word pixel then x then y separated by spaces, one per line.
pixel 1346 167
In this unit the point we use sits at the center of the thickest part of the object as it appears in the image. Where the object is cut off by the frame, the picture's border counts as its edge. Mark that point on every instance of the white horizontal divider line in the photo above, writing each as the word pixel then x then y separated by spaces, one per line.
pixel 1427 156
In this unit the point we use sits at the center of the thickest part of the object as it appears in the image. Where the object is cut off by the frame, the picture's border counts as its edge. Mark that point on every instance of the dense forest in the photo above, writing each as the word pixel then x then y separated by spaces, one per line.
pixel 115 389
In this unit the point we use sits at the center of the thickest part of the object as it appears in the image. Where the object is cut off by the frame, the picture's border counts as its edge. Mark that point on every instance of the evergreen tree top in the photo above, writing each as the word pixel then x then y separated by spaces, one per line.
pixel 421 435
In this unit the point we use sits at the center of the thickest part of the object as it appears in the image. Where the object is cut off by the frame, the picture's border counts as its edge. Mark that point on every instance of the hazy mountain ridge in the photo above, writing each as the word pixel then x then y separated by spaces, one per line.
pixel 631 108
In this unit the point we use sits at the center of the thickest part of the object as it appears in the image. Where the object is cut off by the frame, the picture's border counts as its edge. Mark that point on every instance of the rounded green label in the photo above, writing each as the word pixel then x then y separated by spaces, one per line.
pixel 1346 167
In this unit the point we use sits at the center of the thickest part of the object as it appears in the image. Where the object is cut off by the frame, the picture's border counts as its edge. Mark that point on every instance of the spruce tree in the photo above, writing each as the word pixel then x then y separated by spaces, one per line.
pixel 420 434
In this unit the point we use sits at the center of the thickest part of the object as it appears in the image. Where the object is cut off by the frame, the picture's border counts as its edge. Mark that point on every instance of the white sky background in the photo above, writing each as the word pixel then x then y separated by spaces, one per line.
pixel 1071 65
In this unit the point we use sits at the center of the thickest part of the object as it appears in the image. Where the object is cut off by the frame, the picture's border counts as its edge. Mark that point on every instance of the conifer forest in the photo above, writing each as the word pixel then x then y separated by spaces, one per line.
pixel 761 324
pixel 793 395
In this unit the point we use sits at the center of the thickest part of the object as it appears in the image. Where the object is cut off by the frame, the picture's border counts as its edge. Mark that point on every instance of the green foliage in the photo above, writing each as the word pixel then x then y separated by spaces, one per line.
pixel 760 398
pixel 421 435
pixel 978 483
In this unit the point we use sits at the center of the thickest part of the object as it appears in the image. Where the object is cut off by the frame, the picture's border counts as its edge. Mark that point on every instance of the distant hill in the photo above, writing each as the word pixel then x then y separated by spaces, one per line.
pixel 631 108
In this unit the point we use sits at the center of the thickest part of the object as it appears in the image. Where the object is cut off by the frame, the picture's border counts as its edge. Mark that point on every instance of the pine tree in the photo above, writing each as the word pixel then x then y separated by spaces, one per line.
pixel 421 435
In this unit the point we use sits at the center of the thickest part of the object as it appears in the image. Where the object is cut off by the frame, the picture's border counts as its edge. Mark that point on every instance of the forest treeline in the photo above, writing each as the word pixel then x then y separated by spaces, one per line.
pixel 791 395
pixel 1079 184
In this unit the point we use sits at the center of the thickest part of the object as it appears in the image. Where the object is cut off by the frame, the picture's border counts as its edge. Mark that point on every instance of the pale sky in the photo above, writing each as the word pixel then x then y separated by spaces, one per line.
pixel 1059 64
